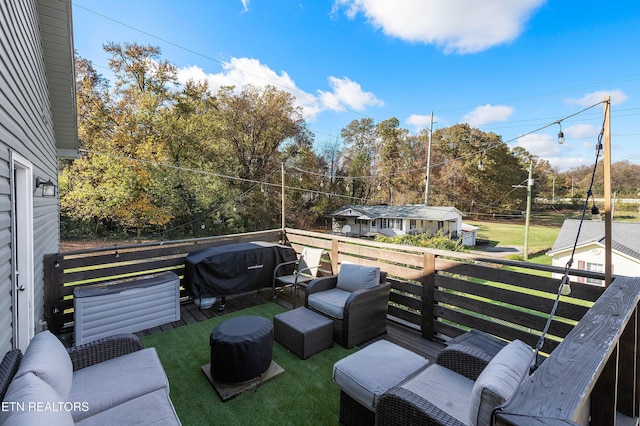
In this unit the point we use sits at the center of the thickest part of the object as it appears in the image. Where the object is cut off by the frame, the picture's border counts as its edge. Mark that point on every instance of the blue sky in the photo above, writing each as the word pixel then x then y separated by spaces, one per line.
pixel 506 66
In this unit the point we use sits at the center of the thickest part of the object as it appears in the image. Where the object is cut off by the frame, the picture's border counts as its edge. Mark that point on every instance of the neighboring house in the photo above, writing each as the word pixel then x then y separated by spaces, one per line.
pixel 366 221
pixel 589 254
pixel 38 126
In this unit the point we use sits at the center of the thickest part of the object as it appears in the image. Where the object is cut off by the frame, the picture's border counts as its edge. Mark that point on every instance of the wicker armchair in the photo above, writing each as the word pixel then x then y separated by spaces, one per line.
pixel 463 387
pixel 360 314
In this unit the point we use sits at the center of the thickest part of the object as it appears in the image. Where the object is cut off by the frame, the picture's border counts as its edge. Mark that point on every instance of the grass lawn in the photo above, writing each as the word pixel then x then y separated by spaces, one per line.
pixel 541 238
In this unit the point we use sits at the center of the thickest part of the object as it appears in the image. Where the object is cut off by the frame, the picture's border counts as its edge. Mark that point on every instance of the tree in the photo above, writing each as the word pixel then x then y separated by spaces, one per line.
pixel 360 139
pixel 252 125
pixel 474 171
pixel 118 127
pixel 394 151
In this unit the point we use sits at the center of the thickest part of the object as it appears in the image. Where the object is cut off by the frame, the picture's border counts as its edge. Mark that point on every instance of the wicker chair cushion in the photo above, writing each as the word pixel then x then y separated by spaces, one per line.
pixel 499 380
pixel 371 371
pixel 330 302
pixel 446 389
pixel 113 382
pixel 47 358
pixel 354 277
pixel 37 403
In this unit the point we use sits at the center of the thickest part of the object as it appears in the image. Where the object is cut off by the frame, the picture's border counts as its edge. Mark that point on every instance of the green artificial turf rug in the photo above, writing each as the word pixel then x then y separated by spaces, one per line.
pixel 304 394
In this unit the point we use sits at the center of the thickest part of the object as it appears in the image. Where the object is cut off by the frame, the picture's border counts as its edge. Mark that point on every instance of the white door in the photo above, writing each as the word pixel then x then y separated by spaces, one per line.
pixel 22 251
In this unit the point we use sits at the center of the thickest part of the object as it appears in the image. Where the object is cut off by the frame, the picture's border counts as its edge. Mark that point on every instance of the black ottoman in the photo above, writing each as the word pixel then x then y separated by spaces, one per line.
pixel 241 348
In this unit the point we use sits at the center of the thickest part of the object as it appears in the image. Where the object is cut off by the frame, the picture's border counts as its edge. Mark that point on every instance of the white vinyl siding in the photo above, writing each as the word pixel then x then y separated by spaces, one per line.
pixel 26 127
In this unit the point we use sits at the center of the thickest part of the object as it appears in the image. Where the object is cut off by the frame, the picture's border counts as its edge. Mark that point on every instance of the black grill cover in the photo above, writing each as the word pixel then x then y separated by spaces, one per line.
pixel 235 268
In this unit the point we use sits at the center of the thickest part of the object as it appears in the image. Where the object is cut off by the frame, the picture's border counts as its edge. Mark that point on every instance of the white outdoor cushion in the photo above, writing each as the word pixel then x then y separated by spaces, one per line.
pixel 36 403
pixel 47 358
pixel 370 372
pixel 110 383
pixel 499 380
pixel 446 389
pixel 330 302
pixel 354 277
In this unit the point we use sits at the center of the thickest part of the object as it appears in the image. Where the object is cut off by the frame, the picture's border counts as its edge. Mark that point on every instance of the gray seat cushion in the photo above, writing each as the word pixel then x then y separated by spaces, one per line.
pixel 48 359
pixel 110 383
pixel 446 389
pixel 153 408
pixel 330 302
pixel 370 372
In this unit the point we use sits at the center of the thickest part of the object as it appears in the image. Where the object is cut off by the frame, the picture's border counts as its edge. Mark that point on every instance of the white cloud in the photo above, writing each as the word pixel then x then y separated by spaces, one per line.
pixel 617 97
pixel 245 5
pixel 462 26
pixel 344 94
pixel 418 122
pixel 347 94
pixel 563 157
pixel 580 131
pixel 488 114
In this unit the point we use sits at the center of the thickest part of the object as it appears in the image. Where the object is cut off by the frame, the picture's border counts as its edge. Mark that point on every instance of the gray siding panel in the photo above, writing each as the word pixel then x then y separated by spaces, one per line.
pixel 26 127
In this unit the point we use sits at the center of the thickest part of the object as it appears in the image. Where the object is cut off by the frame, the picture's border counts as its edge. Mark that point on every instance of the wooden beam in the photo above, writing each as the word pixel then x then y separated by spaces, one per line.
pixel 608 213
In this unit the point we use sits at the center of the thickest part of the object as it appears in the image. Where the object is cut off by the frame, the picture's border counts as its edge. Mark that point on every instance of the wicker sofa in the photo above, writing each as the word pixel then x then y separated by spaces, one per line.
pixel 356 300
pixel 113 380
pixel 464 387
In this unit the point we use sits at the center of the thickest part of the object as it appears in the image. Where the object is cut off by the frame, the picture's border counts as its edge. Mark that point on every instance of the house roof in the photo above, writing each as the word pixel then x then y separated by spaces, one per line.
pixel 407 211
pixel 56 30
pixel 624 236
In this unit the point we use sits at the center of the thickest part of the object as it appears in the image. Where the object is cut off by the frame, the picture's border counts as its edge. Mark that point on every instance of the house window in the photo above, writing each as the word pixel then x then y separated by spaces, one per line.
pixel 595 267
pixel 398 224
pixel 384 223
pixel 413 224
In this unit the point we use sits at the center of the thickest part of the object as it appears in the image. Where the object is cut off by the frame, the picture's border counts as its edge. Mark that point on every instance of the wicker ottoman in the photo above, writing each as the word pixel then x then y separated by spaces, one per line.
pixel 303 332
pixel 365 375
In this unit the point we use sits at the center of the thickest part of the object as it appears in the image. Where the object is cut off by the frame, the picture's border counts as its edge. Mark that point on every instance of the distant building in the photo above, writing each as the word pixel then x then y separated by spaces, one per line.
pixel 365 221
pixel 589 254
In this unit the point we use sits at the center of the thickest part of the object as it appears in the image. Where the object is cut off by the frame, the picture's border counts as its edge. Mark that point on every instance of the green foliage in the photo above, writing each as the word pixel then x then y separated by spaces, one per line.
pixel 438 241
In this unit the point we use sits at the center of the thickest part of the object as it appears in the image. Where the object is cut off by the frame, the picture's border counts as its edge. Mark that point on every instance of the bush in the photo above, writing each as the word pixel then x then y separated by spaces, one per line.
pixel 439 241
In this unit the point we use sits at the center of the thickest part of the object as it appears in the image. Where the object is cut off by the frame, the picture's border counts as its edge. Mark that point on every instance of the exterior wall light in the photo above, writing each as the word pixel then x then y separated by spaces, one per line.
pixel 48 187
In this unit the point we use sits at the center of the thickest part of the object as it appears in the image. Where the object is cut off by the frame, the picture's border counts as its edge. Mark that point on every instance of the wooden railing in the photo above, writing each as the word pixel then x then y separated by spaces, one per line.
pixel 65 271
pixel 593 374
pixel 442 294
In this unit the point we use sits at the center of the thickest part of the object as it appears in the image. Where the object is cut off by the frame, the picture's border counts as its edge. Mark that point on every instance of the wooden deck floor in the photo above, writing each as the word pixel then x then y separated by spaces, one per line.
pixel 190 313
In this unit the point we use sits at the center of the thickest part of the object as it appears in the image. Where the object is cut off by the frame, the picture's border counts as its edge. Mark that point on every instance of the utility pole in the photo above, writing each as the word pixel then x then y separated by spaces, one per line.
pixel 426 186
pixel 282 190
pixel 528 215
pixel 526 226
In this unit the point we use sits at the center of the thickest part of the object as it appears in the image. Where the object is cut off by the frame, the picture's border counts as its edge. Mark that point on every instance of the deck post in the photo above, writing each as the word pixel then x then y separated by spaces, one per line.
pixel 428 295
pixel 52 293
pixel 334 255
pixel 628 384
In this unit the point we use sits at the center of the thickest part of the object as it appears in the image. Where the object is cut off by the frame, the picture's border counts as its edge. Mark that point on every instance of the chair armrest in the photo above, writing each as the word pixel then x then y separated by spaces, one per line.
pixel 400 407
pixel 103 349
pixel 465 360
pixel 368 298
pixel 280 265
pixel 322 284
